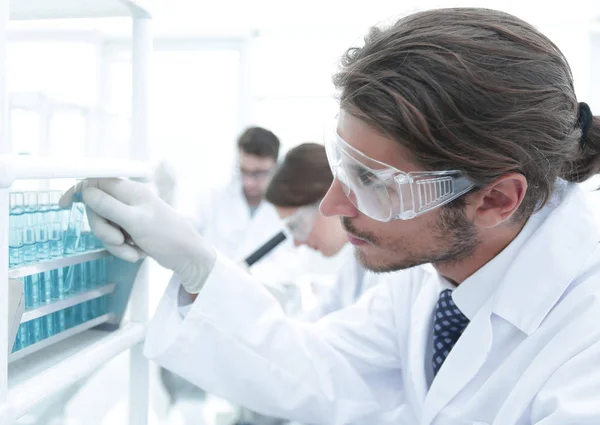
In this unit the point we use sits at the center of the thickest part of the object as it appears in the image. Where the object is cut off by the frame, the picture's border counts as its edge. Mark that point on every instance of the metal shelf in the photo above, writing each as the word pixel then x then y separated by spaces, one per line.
pixel 67 302
pixel 57 263
pixel 58 337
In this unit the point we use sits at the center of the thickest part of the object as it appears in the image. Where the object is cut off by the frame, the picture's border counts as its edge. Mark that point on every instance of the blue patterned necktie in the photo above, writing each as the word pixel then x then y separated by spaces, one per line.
pixel 448 325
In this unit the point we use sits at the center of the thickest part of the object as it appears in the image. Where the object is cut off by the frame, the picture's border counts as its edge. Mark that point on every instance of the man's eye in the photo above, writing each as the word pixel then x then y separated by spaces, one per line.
pixel 367 178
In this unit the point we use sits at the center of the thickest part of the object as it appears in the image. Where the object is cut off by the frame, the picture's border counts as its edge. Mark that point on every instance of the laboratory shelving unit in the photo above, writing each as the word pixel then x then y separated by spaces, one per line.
pixel 32 376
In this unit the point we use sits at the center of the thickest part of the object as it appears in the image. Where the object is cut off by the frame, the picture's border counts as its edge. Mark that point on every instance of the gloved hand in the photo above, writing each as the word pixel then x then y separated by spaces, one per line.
pixel 116 206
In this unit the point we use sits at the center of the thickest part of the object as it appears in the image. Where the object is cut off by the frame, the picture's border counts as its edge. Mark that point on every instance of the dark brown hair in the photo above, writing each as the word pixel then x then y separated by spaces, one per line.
pixel 475 90
pixel 302 179
pixel 260 142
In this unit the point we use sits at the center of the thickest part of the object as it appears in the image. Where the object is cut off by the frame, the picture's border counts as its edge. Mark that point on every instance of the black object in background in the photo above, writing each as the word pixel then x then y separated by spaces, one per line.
pixel 266 248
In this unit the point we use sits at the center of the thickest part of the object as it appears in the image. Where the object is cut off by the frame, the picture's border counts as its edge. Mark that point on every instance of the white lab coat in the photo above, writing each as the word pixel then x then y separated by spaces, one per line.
pixel 222 216
pixel 351 282
pixel 530 355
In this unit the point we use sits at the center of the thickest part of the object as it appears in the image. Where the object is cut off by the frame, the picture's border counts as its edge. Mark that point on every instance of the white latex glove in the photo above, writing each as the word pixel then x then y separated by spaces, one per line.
pixel 116 206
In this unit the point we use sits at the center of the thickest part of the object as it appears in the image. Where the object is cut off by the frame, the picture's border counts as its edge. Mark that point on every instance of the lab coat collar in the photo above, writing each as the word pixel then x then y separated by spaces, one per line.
pixel 531 274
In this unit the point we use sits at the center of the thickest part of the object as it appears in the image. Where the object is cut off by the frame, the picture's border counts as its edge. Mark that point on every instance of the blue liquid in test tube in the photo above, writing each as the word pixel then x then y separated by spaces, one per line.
pixel 85 311
pixel 43 226
pixel 91 274
pixel 32 290
pixel 23 335
pixel 15 247
pixel 17 344
pixel 16 222
pixel 37 330
pixel 58 283
pixel 60 321
pixel 30 227
pixel 102 271
pixel 76 315
pixel 49 325
pixel 56 240
pixel 72 235
pixel 56 215
pixel 68 317
pixel 48 288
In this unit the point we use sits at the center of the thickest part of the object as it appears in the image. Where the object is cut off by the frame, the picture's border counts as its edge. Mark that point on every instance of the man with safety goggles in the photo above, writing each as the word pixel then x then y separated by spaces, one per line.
pixel 456 156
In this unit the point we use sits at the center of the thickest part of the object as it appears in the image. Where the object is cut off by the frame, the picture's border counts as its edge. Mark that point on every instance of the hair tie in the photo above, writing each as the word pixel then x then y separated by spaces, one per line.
pixel 584 119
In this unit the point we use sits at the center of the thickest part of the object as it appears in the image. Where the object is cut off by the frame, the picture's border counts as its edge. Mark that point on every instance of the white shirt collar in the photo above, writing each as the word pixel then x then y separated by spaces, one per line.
pixel 530 275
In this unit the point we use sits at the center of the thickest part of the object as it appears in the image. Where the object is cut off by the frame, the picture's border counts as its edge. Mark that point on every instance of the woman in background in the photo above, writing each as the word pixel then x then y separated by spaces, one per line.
pixel 296 190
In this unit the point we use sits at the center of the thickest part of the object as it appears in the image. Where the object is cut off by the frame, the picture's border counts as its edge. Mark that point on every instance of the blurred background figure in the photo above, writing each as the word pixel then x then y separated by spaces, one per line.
pixel 236 218
pixel 296 190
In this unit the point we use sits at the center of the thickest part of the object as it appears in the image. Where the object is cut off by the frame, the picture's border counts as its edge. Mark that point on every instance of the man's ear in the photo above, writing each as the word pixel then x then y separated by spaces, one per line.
pixel 498 201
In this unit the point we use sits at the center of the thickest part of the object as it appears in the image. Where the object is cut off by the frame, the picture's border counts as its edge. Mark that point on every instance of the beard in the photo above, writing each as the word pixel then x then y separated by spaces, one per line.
pixel 455 237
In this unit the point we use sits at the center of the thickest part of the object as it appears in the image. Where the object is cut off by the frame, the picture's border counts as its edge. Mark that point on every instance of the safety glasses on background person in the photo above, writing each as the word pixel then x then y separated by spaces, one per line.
pixel 256 174
pixel 385 193
pixel 300 224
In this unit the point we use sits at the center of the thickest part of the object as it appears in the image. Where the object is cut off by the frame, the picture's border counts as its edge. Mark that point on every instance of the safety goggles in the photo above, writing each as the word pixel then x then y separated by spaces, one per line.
pixel 256 174
pixel 385 193
pixel 300 224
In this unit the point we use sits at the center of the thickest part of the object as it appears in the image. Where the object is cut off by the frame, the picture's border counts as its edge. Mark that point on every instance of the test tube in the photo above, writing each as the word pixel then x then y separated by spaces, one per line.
pixel 102 271
pixel 56 240
pixel 90 239
pixel 56 215
pixel 15 247
pixel 15 242
pixel 32 290
pixel 72 279
pixel 91 274
pixel 22 336
pixel 85 311
pixel 49 325
pixel 37 330
pixel 77 216
pixel 95 308
pixel 72 235
pixel 16 201
pixel 75 315
pixel 58 283
pixel 43 225
pixel 17 343
pixel 47 287
pixel 59 319
pixel 29 228
pixel 84 287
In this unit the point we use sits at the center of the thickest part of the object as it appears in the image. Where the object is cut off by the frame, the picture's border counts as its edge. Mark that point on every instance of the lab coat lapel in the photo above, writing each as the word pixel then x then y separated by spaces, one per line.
pixel 420 328
pixel 461 365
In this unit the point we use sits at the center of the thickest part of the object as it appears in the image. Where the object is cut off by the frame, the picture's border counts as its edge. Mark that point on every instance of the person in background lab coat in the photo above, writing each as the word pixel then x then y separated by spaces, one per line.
pixel 296 191
pixel 236 219
pixel 297 187
pixel 460 142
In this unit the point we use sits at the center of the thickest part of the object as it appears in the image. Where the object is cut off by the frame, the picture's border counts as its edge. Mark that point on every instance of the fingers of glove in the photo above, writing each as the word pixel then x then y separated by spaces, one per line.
pixel 104 230
pixel 125 252
pixel 109 208
pixel 127 191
